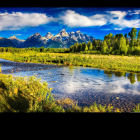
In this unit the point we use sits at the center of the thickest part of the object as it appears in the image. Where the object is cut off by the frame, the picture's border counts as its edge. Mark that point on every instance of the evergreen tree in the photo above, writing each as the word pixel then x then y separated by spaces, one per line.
pixel 125 36
pixel 71 48
pixel 109 36
pixel 116 45
pixel 138 38
pixel 118 36
pixel 83 46
pixel 75 47
pixel 79 47
pixel 93 43
pixel 132 35
pixel 3 49
pixel 41 49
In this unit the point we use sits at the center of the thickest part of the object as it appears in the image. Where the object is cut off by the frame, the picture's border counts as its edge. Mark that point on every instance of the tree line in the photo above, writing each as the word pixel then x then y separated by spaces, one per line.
pixel 116 45
pixel 40 49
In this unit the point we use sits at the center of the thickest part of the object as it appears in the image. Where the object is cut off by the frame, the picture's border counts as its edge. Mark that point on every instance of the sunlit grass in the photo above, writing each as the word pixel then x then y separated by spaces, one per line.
pixel 27 94
pixel 121 63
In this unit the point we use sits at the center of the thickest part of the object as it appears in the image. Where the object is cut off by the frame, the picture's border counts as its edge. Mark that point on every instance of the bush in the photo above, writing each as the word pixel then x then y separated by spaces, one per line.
pixel 136 51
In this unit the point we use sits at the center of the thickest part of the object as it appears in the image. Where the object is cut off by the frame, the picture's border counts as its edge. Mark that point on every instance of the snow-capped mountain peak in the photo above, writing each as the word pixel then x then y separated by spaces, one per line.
pixel 48 35
pixel 78 31
pixel 63 33
pixel 62 39
pixel 12 37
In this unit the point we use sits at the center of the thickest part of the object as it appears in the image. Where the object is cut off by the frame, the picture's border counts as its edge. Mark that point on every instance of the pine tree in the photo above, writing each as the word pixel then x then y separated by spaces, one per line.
pixel 79 47
pixel 75 47
pixel 71 48
pixel 138 38
pixel 132 35
pixel 83 46
pixel 93 42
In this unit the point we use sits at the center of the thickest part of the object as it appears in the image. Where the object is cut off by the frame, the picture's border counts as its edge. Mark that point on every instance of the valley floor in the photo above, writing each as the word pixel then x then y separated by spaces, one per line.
pixel 17 97
pixel 112 62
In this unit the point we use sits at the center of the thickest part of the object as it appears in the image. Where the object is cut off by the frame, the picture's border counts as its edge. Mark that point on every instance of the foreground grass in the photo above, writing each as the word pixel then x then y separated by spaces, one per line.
pixel 120 63
pixel 22 94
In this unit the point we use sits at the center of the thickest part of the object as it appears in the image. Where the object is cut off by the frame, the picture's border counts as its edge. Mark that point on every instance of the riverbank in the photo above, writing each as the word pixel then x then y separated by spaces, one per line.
pixel 28 63
pixel 23 94
pixel 112 62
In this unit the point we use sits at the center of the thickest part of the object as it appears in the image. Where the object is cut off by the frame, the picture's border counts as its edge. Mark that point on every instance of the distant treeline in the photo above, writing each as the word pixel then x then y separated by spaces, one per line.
pixel 118 44
pixel 41 49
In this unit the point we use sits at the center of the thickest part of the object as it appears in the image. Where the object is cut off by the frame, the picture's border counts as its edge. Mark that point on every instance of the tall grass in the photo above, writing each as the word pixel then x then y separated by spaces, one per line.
pixel 28 95
pixel 122 63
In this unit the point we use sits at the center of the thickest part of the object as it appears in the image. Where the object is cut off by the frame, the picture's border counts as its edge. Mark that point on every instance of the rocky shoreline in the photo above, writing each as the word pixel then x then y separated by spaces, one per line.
pixel 21 66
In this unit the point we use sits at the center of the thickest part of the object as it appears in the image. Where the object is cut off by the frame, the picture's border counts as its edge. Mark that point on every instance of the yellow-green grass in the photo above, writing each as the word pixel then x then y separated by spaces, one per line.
pixel 112 62
pixel 23 94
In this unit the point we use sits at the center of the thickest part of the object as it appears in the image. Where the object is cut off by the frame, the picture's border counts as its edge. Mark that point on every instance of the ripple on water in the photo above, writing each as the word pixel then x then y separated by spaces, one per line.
pixel 82 86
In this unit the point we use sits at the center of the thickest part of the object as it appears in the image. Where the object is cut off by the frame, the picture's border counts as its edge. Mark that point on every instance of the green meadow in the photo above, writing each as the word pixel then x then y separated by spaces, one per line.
pixel 111 62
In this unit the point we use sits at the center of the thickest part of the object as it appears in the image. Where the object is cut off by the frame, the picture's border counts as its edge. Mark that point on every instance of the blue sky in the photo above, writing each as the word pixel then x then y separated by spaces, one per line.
pixel 95 21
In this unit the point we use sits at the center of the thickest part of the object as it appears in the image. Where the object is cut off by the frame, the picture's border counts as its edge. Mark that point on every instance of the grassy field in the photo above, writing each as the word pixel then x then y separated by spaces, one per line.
pixel 112 62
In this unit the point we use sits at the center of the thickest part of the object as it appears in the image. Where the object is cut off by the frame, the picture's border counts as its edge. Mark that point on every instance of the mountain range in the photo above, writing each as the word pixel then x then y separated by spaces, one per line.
pixel 60 40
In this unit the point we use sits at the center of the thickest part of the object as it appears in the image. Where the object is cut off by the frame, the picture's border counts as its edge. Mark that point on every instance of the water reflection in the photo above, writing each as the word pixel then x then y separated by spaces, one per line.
pixel 86 84
pixel 130 76
pixel 138 77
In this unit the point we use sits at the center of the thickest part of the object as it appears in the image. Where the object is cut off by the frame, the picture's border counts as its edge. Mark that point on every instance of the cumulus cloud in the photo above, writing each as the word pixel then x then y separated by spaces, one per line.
pixel 18 20
pixel 135 12
pixel 71 18
pixel 118 18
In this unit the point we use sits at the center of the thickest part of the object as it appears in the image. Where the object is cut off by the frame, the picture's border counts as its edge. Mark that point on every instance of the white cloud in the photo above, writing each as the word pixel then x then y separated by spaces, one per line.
pixel 121 21
pixel 18 20
pixel 118 14
pixel 118 28
pixel 73 19
pixel 135 12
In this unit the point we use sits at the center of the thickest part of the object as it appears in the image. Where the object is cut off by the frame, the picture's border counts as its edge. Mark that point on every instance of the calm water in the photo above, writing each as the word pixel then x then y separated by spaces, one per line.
pixel 85 85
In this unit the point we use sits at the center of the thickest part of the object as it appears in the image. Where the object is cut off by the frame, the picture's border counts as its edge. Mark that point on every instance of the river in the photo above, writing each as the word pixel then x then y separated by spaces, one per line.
pixel 83 84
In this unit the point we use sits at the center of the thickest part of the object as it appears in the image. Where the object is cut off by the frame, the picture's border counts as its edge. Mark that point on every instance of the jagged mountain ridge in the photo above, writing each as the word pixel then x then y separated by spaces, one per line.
pixel 60 40
pixel 16 41
pixel 5 42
